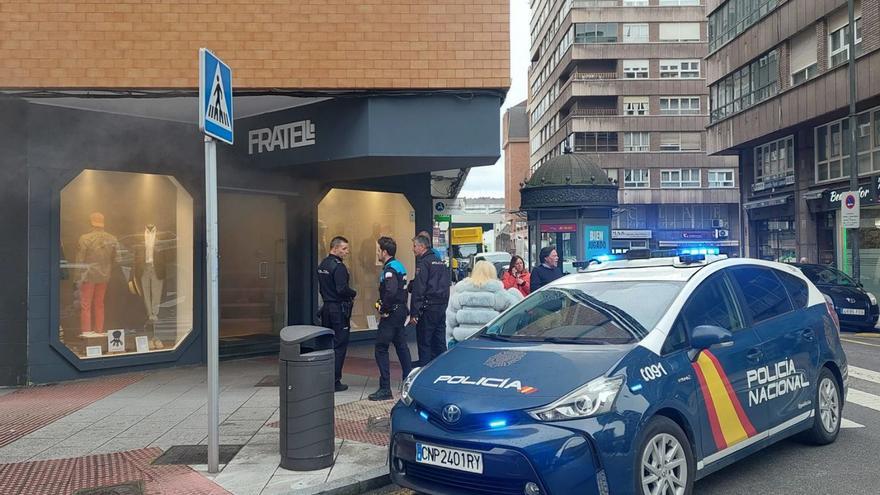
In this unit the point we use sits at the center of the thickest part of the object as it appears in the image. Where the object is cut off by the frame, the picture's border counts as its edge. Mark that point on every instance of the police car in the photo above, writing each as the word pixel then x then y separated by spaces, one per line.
pixel 633 376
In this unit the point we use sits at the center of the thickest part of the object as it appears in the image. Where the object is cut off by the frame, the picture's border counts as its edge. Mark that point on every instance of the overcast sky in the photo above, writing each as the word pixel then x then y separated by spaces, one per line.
pixel 489 181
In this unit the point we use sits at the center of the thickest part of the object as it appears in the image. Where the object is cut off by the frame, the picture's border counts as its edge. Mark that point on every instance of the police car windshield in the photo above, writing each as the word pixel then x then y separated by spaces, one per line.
pixel 587 313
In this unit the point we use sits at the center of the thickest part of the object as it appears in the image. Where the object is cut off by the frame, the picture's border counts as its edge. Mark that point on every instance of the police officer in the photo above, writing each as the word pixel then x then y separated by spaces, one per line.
pixel 338 299
pixel 392 313
pixel 430 295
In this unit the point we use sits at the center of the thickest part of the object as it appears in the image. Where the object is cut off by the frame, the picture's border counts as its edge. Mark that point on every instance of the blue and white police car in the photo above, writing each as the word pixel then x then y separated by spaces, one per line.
pixel 633 376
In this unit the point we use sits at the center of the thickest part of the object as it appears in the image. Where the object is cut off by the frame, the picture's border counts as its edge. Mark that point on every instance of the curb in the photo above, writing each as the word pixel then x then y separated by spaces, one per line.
pixel 354 485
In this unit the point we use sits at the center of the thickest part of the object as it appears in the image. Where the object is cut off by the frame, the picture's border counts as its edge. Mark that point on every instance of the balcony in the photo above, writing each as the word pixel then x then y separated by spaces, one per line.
pixel 592 76
pixel 593 112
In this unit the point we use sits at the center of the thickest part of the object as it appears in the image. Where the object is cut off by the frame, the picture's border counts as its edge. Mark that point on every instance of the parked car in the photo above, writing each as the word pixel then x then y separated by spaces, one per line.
pixel 632 377
pixel 500 259
pixel 856 307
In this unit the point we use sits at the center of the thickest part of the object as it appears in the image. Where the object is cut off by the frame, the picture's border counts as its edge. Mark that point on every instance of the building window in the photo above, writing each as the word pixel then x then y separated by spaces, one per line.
pixel 635 105
pixel 803 56
pixel 680 141
pixel 126 283
pixel 833 146
pixel 680 31
pixel 679 105
pixel 678 3
pixel 635 69
pixel 774 159
pixel 838 45
pixel 680 178
pixel 636 141
pixel 746 87
pixel 595 142
pixel 734 17
pixel 635 33
pixel 722 178
pixel 595 32
pixel 636 178
pixel 635 3
pixel 691 216
pixel 612 174
pixel 679 69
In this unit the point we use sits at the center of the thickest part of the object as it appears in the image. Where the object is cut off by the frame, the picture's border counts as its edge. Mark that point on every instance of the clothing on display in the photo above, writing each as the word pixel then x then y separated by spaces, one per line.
pixel 97 252
pixel 151 280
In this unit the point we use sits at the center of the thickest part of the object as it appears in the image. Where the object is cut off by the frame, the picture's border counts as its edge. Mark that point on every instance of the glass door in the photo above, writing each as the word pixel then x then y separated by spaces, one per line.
pixel 253 270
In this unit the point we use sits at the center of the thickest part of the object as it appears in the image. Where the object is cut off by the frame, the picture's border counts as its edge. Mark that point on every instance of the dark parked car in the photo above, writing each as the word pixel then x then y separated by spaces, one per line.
pixel 855 306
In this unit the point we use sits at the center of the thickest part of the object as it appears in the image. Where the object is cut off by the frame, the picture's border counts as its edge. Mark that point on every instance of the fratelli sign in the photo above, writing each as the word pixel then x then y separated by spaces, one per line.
pixel 281 137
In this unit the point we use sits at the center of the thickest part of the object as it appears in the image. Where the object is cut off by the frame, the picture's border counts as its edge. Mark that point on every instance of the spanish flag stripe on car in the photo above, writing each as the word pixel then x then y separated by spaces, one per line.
pixel 722 405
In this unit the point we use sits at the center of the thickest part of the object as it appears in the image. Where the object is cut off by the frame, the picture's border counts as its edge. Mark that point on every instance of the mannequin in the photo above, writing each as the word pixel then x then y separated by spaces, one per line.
pixel 150 270
pixel 97 251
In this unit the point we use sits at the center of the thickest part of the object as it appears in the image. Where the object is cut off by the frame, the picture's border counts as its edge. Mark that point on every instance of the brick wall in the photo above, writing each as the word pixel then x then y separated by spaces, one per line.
pixel 871 24
pixel 268 43
pixel 822 48
pixel 784 74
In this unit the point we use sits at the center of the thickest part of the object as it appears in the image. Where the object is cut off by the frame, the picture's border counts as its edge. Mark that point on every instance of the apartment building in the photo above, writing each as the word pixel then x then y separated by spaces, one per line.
pixel 625 82
pixel 779 93
pixel 515 147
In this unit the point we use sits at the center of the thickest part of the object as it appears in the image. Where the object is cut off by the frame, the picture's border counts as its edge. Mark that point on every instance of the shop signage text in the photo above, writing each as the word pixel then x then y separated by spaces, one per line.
pixel 558 227
pixel 282 137
pixel 631 234
pixel 698 235
pixel 836 196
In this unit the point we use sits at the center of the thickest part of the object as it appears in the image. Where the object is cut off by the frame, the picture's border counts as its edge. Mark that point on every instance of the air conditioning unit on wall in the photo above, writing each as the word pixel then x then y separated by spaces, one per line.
pixel 718 223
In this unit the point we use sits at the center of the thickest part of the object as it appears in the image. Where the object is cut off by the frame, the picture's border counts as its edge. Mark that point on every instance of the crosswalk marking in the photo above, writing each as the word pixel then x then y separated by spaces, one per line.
pixel 859 342
pixel 850 424
pixel 863 399
pixel 864 374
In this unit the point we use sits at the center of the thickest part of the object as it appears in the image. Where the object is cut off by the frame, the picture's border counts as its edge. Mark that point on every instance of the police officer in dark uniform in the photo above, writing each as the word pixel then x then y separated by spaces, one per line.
pixel 338 299
pixel 430 295
pixel 392 312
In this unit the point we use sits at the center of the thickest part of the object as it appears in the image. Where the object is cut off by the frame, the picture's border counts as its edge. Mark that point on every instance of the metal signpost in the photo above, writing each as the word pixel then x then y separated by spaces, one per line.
pixel 853 150
pixel 215 120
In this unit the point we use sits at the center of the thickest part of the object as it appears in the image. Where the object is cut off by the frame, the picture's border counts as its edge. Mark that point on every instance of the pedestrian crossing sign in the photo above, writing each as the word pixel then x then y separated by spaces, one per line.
pixel 215 97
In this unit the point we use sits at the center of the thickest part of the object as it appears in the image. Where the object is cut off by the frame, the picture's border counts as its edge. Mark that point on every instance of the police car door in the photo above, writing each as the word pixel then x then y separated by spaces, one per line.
pixel 721 370
pixel 776 302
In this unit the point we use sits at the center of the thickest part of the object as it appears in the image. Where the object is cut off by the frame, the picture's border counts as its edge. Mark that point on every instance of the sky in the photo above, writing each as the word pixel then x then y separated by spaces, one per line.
pixel 489 181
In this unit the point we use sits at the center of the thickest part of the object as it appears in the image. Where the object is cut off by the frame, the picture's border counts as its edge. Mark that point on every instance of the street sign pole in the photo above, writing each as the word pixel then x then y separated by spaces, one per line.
pixel 853 151
pixel 212 306
pixel 216 120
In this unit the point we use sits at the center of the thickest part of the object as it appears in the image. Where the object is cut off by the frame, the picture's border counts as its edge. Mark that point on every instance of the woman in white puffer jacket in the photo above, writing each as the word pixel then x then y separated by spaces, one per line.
pixel 475 301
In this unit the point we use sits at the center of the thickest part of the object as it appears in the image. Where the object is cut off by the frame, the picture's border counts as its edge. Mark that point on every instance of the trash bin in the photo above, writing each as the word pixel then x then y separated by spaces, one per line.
pixel 306 381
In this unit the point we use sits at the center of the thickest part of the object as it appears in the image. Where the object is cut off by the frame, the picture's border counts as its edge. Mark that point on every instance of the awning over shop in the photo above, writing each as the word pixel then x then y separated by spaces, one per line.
pixel 729 243
pixel 764 203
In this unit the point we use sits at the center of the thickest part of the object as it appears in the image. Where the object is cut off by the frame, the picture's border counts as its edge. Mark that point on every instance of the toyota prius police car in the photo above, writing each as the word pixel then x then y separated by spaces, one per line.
pixel 633 376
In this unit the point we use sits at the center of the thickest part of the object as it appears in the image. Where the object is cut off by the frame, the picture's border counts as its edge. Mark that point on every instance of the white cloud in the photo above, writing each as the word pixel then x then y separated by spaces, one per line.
pixel 489 181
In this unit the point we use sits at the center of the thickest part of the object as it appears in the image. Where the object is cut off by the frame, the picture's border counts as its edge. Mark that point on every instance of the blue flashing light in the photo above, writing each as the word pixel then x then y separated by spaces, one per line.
pixel 498 423
pixel 636 387
pixel 424 415
pixel 700 250
pixel 603 258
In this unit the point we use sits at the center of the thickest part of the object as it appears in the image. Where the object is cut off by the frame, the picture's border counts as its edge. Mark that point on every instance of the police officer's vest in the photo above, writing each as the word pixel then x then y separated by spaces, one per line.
pixel 400 271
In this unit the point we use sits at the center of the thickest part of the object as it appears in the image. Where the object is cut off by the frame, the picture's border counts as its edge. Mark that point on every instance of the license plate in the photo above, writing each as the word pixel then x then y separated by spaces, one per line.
pixel 852 311
pixel 461 460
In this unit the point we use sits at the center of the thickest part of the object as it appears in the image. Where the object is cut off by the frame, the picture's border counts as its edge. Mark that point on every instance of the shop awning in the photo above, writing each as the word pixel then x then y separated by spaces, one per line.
pixel 731 242
pixel 763 203
pixel 811 195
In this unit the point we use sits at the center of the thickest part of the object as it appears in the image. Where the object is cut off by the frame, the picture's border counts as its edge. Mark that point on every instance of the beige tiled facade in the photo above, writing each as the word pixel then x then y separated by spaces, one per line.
pixel 307 44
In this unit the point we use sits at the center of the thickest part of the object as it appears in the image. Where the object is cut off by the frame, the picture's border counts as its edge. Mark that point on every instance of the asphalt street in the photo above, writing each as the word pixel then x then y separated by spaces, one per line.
pixel 848 466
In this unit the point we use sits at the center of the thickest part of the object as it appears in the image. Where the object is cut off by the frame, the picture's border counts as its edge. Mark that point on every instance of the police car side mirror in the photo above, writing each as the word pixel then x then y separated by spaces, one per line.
pixel 705 336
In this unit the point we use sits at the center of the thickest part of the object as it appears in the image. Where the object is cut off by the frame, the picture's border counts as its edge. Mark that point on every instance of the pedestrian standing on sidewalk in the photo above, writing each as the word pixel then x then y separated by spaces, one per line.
pixel 477 300
pixel 548 270
pixel 392 317
pixel 338 297
pixel 430 295
pixel 517 277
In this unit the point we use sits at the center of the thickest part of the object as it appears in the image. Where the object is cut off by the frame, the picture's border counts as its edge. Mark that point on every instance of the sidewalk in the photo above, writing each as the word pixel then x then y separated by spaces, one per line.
pixel 62 438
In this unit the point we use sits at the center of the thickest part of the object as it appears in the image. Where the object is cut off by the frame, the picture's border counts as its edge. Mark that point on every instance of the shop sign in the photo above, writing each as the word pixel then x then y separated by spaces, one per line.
pixel 866 195
pixel 282 137
pixel 631 234
pixel 771 182
pixel 597 241
pixel 466 235
pixel 850 209
pixel 552 228
pixel 698 235
pixel 442 218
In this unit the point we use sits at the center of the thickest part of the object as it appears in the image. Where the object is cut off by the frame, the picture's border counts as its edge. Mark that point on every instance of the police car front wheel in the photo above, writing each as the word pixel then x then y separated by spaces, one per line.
pixel 665 462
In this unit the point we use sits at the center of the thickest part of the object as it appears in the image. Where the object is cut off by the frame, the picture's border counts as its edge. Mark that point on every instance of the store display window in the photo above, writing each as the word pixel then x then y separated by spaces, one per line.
pixel 126 274
pixel 362 217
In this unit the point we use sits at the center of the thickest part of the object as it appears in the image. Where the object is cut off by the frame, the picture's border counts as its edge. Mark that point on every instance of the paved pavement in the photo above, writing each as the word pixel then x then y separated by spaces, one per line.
pixel 126 421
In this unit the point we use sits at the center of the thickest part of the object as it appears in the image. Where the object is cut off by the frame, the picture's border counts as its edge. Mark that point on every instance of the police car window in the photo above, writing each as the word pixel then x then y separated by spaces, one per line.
pixel 600 312
pixel 712 304
pixel 797 289
pixel 763 293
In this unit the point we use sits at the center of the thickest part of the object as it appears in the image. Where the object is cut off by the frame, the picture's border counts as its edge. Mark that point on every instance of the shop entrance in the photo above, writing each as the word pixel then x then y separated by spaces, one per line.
pixel 253 272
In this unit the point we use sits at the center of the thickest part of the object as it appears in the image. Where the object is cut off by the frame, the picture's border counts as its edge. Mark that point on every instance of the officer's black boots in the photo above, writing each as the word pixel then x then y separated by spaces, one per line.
pixel 381 394
pixel 341 387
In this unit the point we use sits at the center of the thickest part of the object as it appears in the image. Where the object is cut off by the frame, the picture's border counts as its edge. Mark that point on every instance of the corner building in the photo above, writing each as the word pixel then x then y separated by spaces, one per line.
pixel 345 112
pixel 625 82
pixel 779 100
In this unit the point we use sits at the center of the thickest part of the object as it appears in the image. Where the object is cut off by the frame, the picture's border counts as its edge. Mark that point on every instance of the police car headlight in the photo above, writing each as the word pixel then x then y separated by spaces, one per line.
pixel 872 299
pixel 593 399
pixel 405 397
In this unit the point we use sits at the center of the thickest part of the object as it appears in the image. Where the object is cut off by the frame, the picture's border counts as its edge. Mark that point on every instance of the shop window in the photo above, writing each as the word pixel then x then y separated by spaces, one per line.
pixel 126 282
pixel 362 217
